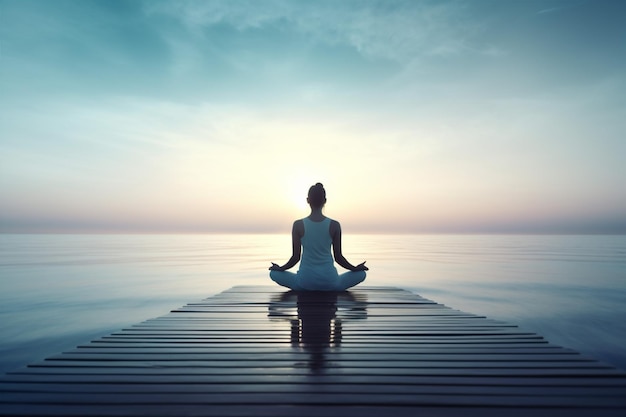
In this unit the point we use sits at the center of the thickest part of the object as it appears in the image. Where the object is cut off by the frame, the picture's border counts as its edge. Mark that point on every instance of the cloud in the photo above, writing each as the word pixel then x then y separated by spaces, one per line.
pixel 398 31
pixel 220 106
pixel 550 10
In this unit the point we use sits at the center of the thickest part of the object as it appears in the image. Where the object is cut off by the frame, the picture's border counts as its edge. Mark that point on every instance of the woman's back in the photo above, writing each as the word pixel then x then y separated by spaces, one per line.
pixel 316 243
pixel 317 269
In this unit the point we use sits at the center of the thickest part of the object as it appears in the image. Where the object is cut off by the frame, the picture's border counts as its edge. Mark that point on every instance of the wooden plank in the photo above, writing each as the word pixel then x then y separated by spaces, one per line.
pixel 304 368
pixel 603 381
pixel 261 351
pixel 302 388
pixel 430 341
pixel 288 410
pixel 211 348
pixel 404 357
pixel 340 363
pixel 326 397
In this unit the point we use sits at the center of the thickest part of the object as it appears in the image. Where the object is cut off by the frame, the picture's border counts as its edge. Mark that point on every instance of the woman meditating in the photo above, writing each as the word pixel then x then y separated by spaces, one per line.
pixel 312 237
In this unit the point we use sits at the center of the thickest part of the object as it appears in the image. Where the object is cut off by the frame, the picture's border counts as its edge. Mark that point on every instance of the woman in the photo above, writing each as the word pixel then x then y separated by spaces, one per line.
pixel 312 238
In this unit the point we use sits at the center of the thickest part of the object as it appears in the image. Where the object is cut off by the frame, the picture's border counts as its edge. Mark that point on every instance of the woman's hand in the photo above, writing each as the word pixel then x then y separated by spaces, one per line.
pixel 275 267
pixel 361 267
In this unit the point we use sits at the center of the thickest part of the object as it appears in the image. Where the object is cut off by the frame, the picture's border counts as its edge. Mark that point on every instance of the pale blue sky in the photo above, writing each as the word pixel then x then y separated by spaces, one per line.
pixel 212 116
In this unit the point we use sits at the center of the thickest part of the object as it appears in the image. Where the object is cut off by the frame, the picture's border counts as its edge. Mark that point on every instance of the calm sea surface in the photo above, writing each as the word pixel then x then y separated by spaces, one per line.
pixel 58 291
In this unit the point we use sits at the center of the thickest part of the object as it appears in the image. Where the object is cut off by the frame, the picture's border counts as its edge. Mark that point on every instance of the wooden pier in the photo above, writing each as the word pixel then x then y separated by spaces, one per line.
pixel 261 351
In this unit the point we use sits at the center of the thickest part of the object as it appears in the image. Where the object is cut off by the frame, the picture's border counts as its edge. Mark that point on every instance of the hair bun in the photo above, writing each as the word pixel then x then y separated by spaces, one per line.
pixel 317 195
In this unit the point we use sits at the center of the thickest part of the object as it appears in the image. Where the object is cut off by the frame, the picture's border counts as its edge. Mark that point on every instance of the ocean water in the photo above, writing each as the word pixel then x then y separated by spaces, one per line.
pixel 58 291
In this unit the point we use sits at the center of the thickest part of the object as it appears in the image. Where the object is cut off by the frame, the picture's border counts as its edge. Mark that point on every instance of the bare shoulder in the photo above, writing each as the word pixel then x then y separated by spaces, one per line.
pixel 334 227
pixel 298 227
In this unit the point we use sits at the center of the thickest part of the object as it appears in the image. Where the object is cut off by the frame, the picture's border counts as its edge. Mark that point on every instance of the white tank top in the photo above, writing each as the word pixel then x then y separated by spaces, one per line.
pixel 317 269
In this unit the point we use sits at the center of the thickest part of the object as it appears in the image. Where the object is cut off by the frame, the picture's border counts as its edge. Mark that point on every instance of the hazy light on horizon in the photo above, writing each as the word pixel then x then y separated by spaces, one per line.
pixel 216 116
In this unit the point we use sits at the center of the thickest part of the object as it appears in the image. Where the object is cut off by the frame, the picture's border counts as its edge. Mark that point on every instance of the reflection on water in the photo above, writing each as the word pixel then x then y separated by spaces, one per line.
pixel 57 291
pixel 316 320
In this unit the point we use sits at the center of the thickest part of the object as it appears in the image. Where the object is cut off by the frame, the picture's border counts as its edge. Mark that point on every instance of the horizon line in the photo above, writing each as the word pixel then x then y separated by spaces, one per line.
pixel 240 232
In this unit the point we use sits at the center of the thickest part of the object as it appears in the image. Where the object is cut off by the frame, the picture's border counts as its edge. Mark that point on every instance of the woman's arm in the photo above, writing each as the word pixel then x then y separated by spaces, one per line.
pixel 297 231
pixel 335 233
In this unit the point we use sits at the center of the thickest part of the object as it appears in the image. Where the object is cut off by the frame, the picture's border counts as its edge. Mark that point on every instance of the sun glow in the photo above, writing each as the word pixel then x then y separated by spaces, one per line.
pixel 298 187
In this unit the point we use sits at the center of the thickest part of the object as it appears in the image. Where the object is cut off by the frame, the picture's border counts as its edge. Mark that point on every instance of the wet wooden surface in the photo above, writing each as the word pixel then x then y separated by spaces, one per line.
pixel 261 351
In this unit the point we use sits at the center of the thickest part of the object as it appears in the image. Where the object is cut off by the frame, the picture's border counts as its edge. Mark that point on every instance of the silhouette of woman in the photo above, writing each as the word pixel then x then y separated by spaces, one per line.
pixel 312 238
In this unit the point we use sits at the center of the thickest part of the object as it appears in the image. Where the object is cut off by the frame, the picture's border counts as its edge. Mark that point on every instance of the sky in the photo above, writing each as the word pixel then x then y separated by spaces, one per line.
pixel 482 116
